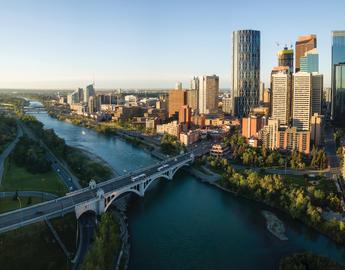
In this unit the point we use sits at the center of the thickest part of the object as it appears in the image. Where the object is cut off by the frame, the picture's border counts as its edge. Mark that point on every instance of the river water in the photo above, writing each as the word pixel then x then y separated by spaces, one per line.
pixel 185 224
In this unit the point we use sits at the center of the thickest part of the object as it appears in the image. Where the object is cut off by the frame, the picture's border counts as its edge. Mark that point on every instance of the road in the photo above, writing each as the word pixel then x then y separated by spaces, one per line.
pixel 8 151
pixel 71 181
pixel 62 205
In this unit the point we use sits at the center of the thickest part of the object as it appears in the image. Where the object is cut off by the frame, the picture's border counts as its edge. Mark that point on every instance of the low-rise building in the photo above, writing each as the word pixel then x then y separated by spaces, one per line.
pixel 172 128
pixel 219 150
pixel 190 137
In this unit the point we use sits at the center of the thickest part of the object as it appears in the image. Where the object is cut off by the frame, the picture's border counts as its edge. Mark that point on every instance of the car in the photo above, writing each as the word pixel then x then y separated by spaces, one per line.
pixel 58 170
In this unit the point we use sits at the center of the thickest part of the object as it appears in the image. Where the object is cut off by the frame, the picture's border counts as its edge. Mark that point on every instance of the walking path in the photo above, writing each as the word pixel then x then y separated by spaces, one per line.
pixel 8 151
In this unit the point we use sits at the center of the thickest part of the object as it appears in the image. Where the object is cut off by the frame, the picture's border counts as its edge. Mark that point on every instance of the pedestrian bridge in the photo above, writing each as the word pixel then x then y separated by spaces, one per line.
pixel 97 197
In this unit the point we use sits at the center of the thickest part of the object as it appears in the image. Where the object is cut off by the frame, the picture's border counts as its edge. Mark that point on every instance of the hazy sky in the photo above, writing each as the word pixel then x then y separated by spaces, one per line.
pixel 149 43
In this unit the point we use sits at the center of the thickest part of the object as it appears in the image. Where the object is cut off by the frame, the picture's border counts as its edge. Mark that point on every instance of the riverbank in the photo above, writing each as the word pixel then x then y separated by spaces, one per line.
pixel 273 192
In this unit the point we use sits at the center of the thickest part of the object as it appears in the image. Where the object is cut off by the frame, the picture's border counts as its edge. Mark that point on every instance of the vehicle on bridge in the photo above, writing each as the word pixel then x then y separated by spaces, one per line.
pixel 139 177
pixel 162 167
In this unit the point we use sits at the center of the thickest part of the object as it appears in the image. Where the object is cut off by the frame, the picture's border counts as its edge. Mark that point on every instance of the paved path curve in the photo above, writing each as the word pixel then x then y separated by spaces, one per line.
pixel 8 151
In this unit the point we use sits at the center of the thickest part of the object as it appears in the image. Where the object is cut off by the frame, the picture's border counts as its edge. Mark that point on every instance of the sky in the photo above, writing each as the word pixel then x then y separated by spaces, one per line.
pixel 149 43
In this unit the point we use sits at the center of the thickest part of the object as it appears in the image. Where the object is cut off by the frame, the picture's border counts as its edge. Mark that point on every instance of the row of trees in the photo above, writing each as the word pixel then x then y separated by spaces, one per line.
pixel 8 130
pixel 107 243
pixel 171 145
pixel 31 155
pixel 84 167
pixel 307 260
pixel 302 202
pixel 262 157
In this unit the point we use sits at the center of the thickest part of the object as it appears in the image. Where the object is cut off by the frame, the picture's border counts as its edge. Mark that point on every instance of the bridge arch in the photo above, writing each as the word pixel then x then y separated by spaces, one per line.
pixel 114 195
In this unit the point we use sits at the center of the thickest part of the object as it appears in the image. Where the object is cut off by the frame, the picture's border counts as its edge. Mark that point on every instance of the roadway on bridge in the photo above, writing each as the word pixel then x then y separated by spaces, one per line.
pixel 62 205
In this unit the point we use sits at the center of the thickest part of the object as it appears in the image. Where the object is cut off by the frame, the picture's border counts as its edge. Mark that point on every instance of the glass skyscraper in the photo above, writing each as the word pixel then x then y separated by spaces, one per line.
pixel 245 71
pixel 310 61
pixel 338 75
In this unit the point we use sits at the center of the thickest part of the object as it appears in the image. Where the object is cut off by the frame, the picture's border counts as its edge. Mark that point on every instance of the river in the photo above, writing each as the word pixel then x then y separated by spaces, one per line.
pixel 185 224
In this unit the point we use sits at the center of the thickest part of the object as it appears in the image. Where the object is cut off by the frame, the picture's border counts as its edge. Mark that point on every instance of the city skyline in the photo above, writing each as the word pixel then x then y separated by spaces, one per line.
pixel 69 44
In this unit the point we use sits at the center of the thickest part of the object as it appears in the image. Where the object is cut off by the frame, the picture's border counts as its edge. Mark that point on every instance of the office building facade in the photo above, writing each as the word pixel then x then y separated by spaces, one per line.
pixel 281 94
pixel 316 93
pixel 338 75
pixel 245 71
pixel 301 109
pixel 177 99
pixel 285 58
pixel 310 61
pixel 303 45
pixel 208 94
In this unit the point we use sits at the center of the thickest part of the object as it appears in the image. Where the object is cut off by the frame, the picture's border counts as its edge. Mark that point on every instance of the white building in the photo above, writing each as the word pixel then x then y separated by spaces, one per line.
pixel 301 109
pixel 208 94
pixel 281 88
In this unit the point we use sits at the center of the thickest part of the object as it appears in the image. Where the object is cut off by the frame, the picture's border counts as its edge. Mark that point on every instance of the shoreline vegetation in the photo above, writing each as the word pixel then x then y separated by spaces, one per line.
pixel 81 164
pixel 308 261
pixel 304 203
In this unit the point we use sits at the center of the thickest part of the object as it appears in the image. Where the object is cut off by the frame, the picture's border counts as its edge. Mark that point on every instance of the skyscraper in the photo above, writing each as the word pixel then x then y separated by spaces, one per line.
pixel 245 71
pixel 177 98
pixel 89 91
pixel 281 92
pixel 208 94
pixel 304 44
pixel 285 58
pixel 301 109
pixel 310 61
pixel 193 94
pixel 316 93
pixel 338 75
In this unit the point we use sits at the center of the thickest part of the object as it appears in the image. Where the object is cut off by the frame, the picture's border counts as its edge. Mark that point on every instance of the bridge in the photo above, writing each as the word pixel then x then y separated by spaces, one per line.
pixel 98 197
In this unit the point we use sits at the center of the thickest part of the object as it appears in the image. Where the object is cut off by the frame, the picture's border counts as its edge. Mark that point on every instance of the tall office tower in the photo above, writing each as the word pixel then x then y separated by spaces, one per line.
pixel 261 91
pixel 285 58
pixel 193 94
pixel 81 94
pixel 338 75
pixel 245 71
pixel 177 98
pixel 301 109
pixel 73 98
pixel 304 44
pixel 316 93
pixel 281 92
pixel 89 91
pixel 310 61
pixel 208 94
pixel 226 105
pixel 178 86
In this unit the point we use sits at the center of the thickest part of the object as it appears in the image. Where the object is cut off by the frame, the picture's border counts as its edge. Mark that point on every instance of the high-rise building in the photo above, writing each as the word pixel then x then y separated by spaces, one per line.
pixel 301 109
pixel 226 105
pixel 208 94
pixel 316 129
pixel 245 71
pixel 304 44
pixel 269 134
pixel 310 61
pixel 281 93
pixel 316 93
pixel 177 98
pixel 178 86
pixel 73 98
pixel 185 115
pixel 285 58
pixel 89 91
pixel 338 75
pixel 81 94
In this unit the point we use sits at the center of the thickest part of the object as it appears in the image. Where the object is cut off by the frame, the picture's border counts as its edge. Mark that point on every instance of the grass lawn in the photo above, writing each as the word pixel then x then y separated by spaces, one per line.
pixel 8 204
pixel 18 178
pixel 34 247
